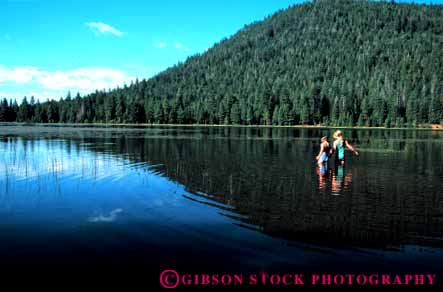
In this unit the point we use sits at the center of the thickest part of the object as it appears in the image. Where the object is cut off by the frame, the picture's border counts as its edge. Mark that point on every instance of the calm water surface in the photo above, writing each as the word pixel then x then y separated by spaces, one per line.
pixel 220 199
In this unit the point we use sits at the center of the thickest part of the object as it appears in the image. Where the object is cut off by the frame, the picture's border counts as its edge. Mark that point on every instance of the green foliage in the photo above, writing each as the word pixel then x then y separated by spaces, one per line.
pixel 7 111
pixel 343 62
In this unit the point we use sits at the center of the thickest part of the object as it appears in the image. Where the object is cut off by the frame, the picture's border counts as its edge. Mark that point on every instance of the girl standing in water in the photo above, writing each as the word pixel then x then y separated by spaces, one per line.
pixel 339 147
pixel 323 156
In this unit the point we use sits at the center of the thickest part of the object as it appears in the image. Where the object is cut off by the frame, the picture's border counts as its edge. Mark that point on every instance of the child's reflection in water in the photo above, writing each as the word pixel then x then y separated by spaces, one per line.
pixel 339 178
pixel 323 173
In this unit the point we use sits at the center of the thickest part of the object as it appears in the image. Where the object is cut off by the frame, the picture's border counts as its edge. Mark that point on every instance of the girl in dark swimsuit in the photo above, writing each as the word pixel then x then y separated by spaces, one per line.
pixel 325 149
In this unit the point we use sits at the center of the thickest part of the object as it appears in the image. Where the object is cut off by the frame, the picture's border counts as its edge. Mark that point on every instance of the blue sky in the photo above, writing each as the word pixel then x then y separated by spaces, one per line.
pixel 48 47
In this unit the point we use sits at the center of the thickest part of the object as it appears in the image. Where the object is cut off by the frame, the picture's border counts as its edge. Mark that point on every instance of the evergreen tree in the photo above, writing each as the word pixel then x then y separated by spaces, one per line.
pixel 24 113
pixel 342 62
pixel 4 111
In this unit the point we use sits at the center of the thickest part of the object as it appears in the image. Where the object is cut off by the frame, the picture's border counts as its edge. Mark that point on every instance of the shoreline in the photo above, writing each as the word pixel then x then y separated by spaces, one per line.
pixel 126 125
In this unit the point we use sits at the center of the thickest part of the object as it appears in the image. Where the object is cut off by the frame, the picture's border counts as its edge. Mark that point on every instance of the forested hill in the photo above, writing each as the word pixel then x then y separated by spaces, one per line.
pixel 338 62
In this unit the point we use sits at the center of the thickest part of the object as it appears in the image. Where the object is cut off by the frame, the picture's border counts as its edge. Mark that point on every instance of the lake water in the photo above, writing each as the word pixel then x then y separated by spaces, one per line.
pixel 219 199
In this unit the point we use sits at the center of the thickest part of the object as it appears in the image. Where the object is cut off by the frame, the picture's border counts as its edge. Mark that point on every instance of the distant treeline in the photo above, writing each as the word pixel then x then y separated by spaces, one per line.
pixel 344 62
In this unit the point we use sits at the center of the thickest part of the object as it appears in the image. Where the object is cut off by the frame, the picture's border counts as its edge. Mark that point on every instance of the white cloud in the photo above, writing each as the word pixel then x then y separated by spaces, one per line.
pixel 17 74
pixel 103 28
pixel 20 80
pixel 176 45
pixel 106 218
pixel 160 44
pixel 86 79
pixel 180 46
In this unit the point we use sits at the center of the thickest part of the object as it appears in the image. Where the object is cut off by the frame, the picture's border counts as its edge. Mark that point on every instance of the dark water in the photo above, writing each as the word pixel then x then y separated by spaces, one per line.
pixel 219 199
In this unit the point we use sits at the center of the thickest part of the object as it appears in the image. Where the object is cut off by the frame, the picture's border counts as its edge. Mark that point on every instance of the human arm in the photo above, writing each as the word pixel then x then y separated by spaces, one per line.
pixel 352 148
pixel 322 149
pixel 333 148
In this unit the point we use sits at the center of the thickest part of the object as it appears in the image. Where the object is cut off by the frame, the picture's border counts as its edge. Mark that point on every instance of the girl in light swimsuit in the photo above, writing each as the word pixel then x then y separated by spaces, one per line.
pixel 339 147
